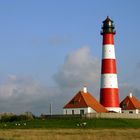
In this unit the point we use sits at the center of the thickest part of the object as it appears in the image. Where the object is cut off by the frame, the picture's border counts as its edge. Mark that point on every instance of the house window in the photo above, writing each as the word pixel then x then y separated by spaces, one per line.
pixel 74 102
pixel 123 105
pixel 72 112
pixel 130 111
pixel 81 112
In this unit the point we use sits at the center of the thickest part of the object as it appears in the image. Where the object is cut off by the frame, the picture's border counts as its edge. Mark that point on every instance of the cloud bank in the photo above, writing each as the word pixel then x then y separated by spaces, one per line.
pixel 19 94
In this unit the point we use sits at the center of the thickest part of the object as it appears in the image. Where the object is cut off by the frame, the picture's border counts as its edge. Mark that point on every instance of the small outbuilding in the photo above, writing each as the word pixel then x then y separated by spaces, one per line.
pixel 82 103
pixel 130 105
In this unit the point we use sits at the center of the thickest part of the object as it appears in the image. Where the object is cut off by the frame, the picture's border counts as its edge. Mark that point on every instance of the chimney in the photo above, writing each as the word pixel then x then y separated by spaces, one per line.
pixel 130 95
pixel 85 89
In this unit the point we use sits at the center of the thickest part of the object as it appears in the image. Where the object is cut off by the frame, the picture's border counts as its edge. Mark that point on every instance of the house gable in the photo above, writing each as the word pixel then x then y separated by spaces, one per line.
pixel 130 103
pixel 76 102
pixel 85 100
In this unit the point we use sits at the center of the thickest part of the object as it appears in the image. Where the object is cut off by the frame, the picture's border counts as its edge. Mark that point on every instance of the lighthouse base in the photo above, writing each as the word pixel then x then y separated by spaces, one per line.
pixel 114 109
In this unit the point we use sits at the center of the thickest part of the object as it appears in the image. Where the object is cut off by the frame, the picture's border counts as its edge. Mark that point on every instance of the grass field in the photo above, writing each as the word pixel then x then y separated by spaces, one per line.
pixel 74 123
pixel 70 134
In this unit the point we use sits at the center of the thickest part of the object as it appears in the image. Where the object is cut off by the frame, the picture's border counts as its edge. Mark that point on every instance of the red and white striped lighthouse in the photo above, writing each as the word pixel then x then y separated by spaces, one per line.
pixel 109 93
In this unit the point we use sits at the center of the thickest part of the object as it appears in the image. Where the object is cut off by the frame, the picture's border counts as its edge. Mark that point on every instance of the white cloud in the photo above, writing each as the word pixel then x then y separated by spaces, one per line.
pixel 15 85
pixel 79 68
pixel 19 94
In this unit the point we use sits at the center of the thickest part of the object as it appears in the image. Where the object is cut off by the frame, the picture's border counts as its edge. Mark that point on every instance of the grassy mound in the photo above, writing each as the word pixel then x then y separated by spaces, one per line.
pixel 71 123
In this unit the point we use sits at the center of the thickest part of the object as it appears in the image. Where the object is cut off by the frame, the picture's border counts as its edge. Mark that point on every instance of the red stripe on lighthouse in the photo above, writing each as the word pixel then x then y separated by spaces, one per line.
pixel 108 39
pixel 109 97
pixel 108 66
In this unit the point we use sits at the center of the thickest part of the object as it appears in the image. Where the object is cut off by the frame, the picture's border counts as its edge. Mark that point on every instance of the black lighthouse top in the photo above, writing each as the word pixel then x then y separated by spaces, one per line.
pixel 108 26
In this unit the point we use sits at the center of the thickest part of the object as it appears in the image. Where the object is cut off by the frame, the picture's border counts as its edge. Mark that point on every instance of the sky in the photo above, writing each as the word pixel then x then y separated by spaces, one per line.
pixel 50 49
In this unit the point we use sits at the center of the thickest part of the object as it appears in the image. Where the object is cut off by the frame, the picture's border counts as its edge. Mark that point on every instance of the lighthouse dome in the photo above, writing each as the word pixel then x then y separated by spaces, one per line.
pixel 108 26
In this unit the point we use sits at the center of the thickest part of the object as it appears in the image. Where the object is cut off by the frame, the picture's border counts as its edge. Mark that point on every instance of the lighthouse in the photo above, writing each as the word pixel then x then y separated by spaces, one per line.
pixel 109 92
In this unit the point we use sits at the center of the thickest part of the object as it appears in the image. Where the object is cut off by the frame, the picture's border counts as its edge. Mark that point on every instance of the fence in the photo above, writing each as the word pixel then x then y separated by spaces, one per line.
pixel 112 115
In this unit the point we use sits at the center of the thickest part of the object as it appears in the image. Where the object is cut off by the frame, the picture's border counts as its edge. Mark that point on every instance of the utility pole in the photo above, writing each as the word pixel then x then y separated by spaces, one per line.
pixel 50 109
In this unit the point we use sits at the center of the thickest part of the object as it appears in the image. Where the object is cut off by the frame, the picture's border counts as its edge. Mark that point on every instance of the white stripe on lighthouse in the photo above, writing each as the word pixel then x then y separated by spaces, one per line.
pixel 108 51
pixel 109 81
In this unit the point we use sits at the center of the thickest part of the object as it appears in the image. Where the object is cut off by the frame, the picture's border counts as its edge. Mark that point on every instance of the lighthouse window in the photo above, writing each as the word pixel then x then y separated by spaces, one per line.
pixel 109 23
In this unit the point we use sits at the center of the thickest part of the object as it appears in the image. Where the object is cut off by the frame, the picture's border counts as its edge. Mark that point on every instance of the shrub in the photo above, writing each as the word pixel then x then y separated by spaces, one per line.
pixel 9 118
pixel 13 118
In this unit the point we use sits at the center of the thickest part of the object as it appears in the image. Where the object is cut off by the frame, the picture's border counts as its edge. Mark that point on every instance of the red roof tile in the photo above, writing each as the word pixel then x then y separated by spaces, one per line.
pixel 83 100
pixel 130 103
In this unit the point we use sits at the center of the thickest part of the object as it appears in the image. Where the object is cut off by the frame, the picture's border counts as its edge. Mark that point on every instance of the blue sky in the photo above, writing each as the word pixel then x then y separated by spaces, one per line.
pixel 39 40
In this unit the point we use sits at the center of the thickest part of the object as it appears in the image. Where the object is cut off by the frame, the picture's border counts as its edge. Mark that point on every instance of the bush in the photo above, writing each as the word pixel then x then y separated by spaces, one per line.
pixel 14 118
pixel 9 118
pixel 25 117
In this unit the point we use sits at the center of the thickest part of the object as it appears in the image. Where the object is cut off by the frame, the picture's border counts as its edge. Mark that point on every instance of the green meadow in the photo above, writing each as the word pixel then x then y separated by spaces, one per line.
pixel 72 123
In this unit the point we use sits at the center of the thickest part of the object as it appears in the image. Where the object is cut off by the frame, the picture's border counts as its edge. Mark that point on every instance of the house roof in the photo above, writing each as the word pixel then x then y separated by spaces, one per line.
pixel 130 103
pixel 84 100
